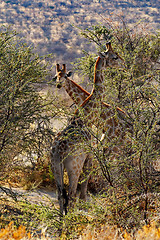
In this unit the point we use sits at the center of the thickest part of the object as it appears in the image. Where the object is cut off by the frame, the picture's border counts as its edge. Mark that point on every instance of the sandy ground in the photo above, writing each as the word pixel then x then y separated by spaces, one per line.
pixel 40 196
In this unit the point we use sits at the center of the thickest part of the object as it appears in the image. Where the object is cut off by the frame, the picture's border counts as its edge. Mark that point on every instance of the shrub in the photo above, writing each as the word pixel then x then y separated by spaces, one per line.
pixel 24 114
pixel 133 176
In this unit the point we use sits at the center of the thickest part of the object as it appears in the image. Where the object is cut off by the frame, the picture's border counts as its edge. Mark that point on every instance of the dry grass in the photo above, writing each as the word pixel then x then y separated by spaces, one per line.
pixel 28 177
pixel 106 232
pixel 10 232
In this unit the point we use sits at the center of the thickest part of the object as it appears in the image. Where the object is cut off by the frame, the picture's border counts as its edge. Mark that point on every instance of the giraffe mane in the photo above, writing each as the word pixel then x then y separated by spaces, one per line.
pixel 78 86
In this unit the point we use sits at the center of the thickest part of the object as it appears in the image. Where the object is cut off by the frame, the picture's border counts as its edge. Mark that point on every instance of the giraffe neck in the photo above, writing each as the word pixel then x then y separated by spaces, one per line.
pixel 75 91
pixel 102 115
pixel 98 89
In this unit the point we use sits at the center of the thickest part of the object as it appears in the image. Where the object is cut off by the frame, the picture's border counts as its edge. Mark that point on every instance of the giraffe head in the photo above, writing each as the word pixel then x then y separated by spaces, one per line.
pixel 110 58
pixel 61 75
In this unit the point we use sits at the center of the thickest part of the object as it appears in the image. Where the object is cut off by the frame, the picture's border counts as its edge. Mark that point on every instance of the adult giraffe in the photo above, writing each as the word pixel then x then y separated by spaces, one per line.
pixel 64 153
pixel 111 121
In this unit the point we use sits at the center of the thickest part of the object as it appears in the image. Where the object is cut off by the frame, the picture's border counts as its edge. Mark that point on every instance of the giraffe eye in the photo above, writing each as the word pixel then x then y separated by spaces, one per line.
pixel 115 58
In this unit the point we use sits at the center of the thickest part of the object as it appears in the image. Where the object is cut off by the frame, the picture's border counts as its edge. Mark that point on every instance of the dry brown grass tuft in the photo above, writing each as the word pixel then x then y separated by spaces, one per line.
pixel 107 232
pixel 10 232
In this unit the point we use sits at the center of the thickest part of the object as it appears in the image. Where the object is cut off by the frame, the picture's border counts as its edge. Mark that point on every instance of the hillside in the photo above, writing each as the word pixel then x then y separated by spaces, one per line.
pixel 50 25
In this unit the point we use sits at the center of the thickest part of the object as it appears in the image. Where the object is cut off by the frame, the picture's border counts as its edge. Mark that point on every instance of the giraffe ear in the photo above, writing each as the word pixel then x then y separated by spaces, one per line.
pixel 101 55
pixel 57 67
pixel 64 67
pixel 108 46
pixel 54 78
pixel 69 74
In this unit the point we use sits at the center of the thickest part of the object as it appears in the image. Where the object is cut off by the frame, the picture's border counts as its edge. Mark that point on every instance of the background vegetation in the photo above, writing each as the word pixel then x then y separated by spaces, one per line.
pixel 129 198
pixel 49 25
pixel 25 131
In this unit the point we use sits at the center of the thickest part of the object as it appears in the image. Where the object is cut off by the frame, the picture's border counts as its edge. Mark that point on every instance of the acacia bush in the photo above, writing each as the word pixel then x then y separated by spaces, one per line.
pixel 133 177
pixel 24 114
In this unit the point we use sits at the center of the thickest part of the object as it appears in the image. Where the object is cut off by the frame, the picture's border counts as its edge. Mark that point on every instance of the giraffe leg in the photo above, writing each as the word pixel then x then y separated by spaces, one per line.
pixel 60 198
pixel 86 171
pixel 60 189
pixel 74 169
pixel 73 182
pixel 58 169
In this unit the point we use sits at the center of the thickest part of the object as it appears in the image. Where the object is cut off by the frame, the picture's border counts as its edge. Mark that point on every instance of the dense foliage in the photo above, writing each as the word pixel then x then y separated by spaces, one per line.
pixel 134 175
pixel 24 114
